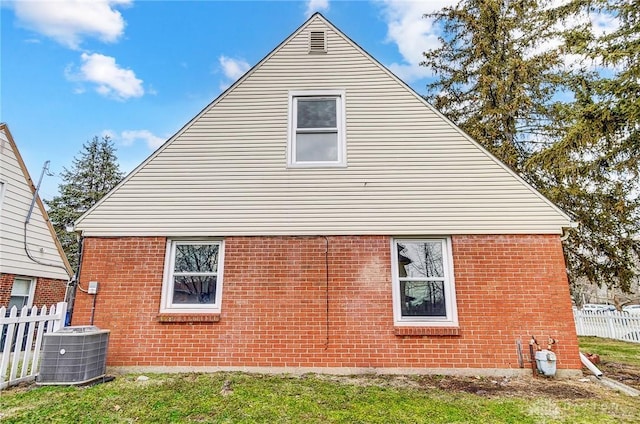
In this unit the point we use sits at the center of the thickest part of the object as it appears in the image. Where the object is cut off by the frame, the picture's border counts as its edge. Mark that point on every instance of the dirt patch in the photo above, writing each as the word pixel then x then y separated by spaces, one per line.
pixel 517 386
pixel 523 387
pixel 627 374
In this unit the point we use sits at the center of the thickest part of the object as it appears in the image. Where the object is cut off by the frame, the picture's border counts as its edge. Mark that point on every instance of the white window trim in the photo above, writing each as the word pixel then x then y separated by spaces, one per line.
pixel 451 320
pixel 166 305
pixel 32 288
pixel 342 136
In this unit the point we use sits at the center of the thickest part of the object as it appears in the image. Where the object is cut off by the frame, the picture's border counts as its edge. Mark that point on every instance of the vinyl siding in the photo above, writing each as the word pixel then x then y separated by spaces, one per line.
pixel 409 171
pixel 13 211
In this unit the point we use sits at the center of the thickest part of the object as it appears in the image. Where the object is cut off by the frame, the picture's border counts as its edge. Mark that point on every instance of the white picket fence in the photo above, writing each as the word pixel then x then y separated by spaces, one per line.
pixel 610 324
pixel 23 333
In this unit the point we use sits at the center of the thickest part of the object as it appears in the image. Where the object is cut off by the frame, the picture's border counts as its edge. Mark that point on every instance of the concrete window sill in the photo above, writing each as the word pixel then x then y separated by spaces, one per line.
pixel 173 318
pixel 426 331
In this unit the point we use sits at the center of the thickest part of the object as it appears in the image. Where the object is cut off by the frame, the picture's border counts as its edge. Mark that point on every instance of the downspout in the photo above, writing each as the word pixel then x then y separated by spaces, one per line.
pixel 587 363
pixel 566 231
pixel 326 273
pixel 75 282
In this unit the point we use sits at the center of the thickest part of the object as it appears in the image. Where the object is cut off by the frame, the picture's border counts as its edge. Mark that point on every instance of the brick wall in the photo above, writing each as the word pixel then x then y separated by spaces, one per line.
pixel 280 309
pixel 6 283
pixel 48 291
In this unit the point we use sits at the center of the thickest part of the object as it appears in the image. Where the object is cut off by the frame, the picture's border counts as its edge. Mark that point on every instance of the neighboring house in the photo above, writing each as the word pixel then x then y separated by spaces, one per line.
pixel 33 267
pixel 320 215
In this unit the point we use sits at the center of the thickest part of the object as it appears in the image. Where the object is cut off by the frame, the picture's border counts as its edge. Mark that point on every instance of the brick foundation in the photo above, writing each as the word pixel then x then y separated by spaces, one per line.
pixel 279 309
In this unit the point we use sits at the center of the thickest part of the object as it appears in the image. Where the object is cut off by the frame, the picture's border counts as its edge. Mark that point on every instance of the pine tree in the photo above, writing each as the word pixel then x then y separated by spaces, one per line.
pixel 593 169
pixel 93 173
pixel 495 79
pixel 501 80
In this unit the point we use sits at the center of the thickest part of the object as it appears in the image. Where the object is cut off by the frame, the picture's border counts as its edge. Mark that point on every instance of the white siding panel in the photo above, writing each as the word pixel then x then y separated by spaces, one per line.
pixel 409 171
pixel 17 200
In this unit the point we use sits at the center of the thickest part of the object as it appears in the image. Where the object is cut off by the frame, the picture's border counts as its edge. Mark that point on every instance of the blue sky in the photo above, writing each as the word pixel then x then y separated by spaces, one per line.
pixel 140 70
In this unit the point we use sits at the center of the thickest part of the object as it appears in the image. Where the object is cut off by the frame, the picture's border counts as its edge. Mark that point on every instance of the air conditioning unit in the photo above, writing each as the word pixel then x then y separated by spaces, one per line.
pixel 73 355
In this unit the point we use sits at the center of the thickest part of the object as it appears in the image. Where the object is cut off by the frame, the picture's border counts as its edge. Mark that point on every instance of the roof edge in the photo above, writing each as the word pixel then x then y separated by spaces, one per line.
pixel 14 147
pixel 195 118
pixel 318 15
pixel 570 222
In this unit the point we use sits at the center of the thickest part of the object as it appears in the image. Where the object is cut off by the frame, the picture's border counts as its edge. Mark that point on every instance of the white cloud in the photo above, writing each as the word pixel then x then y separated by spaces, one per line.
pixel 604 23
pixel 314 6
pixel 232 70
pixel 68 21
pixel 131 136
pixel 412 33
pixel 111 80
pixel 601 24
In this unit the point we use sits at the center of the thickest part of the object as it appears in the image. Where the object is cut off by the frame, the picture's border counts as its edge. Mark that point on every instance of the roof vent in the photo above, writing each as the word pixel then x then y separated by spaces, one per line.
pixel 317 42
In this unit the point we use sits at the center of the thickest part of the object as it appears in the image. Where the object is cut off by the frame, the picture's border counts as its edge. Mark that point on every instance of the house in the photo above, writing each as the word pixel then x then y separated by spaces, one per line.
pixel 319 215
pixel 34 270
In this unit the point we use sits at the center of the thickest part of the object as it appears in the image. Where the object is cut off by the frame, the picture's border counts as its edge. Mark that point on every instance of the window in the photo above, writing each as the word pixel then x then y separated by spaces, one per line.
pixel 193 277
pixel 423 287
pixel 22 293
pixel 317 132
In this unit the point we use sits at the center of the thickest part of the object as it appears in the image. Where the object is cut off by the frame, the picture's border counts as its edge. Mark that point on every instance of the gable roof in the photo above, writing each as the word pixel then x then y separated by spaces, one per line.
pixel 410 170
pixel 43 244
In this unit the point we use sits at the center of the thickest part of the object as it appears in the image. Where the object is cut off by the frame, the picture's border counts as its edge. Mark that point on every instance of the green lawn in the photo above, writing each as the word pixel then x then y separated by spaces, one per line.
pixel 612 350
pixel 200 398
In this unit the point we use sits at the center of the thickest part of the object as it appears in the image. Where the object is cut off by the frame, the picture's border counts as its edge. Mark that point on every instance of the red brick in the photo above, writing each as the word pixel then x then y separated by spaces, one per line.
pixel 48 291
pixel 274 306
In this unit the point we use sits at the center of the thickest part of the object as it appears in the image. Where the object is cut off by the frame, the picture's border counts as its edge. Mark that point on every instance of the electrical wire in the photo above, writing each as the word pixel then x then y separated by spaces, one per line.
pixel 26 249
pixel 45 169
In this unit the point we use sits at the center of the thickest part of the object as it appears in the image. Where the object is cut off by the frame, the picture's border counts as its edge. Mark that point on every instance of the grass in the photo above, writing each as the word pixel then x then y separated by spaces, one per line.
pixel 195 398
pixel 612 350
pixel 251 398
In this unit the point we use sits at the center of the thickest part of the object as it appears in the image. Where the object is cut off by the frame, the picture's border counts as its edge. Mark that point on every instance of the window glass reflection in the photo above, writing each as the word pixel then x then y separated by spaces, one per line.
pixel 420 259
pixel 196 258
pixel 194 289
pixel 317 113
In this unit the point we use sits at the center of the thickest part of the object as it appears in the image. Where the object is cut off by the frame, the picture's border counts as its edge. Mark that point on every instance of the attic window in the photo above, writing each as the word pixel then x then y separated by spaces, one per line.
pixel 317 42
pixel 317 129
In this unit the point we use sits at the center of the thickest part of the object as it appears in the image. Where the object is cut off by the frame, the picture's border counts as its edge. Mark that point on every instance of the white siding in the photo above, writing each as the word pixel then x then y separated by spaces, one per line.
pixel 409 171
pixel 16 201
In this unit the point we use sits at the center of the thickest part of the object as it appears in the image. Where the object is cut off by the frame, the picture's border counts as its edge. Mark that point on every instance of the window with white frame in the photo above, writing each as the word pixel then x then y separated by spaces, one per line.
pixel 193 276
pixel 423 286
pixel 22 293
pixel 317 128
